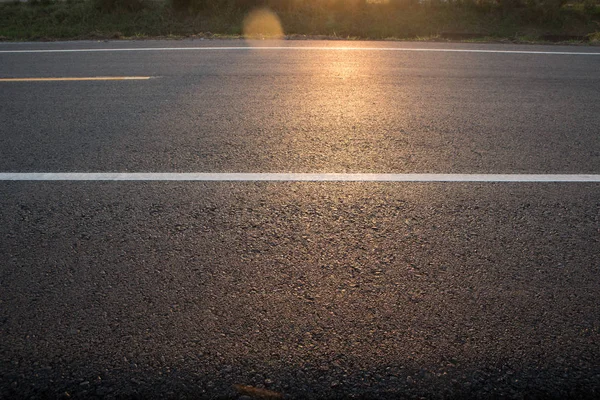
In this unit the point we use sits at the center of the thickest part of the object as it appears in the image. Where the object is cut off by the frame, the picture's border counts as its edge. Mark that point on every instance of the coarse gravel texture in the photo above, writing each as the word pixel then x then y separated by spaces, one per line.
pixel 140 290
pixel 301 110
pixel 311 290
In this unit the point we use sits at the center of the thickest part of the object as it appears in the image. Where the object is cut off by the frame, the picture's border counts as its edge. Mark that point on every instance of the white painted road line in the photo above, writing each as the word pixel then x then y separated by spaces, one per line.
pixel 292 177
pixel 70 79
pixel 302 48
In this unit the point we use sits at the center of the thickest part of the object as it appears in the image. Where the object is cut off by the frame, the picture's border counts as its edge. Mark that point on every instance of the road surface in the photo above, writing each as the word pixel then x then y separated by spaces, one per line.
pixel 319 289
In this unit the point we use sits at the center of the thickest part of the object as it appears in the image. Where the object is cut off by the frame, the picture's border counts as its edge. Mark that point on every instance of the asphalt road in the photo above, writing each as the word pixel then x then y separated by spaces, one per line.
pixel 318 290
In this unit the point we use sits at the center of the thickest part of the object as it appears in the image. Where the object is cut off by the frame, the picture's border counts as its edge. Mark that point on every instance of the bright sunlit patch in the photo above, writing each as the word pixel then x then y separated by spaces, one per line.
pixel 262 23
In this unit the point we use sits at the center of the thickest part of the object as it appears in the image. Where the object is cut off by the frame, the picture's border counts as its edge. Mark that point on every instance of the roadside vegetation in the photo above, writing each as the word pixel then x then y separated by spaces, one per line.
pixel 516 20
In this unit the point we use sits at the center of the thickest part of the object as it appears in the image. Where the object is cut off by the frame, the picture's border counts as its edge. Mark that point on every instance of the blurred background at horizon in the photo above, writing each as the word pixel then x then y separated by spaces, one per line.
pixel 576 21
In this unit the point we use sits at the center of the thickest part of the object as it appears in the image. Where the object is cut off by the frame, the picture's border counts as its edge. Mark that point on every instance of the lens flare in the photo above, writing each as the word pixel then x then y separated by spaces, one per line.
pixel 262 23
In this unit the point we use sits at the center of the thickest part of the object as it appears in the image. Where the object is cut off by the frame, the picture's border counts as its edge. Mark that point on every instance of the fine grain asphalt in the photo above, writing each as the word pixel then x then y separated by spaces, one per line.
pixel 306 289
